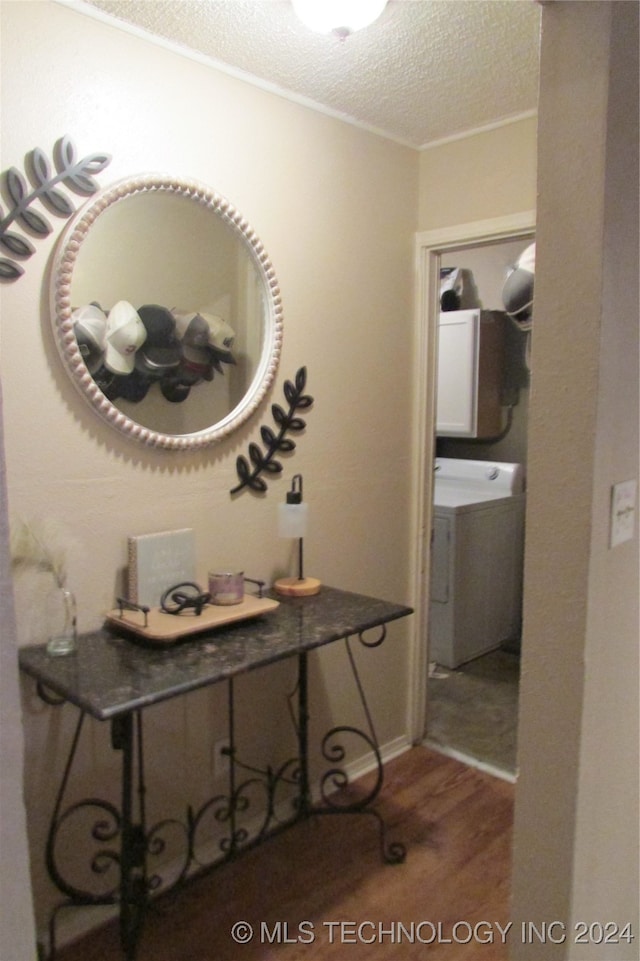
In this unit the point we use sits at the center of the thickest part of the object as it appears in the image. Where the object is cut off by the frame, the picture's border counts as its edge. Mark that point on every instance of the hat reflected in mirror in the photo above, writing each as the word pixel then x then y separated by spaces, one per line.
pixel 205 337
pixel 125 335
pixel 161 351
pixel 90 328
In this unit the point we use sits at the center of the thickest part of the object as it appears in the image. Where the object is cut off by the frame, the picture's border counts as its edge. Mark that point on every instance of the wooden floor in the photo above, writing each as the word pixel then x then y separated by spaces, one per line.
pixel 326 885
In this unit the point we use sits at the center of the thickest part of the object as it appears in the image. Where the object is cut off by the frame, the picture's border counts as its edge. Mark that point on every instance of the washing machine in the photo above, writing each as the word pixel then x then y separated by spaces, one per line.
pixel 477 558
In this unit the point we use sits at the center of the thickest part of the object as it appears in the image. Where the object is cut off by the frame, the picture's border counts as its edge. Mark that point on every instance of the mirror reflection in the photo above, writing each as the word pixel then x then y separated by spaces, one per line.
pixel 167 311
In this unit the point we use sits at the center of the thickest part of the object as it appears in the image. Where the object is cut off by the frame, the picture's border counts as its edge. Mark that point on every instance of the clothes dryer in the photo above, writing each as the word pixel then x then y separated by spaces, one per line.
pixel 477 558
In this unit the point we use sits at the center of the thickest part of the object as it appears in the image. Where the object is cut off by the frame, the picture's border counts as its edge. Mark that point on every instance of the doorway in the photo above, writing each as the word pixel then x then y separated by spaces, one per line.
pixel 465 246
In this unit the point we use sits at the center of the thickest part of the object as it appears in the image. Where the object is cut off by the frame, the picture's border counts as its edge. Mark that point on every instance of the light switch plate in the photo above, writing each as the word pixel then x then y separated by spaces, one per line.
pixel 623 510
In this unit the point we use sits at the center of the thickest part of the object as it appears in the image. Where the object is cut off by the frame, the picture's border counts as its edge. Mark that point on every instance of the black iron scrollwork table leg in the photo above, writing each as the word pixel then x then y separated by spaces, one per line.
pixel 126 731
pixel 334 752
pixel 227 808
pixel 121 835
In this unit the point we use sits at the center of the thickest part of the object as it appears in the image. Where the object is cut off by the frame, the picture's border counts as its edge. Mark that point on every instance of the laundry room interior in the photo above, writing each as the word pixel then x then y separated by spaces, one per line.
pixel 480 470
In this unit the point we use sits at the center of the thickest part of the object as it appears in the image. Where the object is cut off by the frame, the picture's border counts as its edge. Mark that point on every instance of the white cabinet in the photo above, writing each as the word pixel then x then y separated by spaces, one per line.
pixel 470 367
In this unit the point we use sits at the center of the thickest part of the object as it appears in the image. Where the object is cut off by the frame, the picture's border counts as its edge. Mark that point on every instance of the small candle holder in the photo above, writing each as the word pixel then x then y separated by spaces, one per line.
pixel 226 587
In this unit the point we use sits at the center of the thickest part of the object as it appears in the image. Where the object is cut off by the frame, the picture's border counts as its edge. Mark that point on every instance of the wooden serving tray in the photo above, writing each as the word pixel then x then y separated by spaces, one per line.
pixel 163 628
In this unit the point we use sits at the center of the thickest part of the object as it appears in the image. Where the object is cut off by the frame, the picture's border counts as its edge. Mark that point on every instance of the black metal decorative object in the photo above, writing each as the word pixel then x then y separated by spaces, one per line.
pixel 121 845
pixel 250 468
pixel 75 174
pixel 335 780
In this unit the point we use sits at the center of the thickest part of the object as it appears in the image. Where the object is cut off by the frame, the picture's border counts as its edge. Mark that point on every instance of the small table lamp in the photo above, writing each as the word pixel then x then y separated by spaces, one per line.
pixel 292 522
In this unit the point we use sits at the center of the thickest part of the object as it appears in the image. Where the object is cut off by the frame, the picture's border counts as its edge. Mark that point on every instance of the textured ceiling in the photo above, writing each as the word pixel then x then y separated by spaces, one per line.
pixel 424 71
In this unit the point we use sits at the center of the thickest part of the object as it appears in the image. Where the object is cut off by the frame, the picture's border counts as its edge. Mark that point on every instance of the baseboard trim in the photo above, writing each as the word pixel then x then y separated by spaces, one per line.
pixel 471 761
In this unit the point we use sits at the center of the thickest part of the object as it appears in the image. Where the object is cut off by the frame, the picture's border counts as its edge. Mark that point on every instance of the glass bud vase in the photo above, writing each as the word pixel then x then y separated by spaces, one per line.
pixel 62 623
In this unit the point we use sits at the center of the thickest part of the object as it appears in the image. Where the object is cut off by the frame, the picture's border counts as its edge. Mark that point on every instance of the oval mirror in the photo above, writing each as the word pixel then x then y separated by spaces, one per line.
pixel 166 311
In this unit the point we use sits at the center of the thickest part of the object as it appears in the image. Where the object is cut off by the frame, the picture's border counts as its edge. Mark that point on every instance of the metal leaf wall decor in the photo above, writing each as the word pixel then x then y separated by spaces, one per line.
pixel 43 184
pixel 250 468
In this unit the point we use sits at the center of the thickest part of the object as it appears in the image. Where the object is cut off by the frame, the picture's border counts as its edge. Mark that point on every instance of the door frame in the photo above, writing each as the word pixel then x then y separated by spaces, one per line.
pixel 429 246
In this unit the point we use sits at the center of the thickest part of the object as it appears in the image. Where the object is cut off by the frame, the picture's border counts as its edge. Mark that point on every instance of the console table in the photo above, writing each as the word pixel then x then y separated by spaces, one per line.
pixel 113 678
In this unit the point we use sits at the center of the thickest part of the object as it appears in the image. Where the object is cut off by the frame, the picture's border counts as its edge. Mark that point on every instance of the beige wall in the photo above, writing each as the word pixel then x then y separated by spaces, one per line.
pixel 336 210
pixel 606 865
pixel 17 930
pixel 490 174
pixel 576 837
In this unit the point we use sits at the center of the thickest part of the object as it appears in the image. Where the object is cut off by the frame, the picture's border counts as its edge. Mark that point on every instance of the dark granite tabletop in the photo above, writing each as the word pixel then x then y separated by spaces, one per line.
pixel 112 673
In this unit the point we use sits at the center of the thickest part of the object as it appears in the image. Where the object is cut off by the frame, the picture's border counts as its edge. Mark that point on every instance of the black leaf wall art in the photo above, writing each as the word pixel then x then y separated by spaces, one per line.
pixel 258 462
pixel 42 183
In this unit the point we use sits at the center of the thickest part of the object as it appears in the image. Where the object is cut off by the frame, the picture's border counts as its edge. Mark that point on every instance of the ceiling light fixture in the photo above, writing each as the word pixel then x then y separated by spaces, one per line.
pixel 339 17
